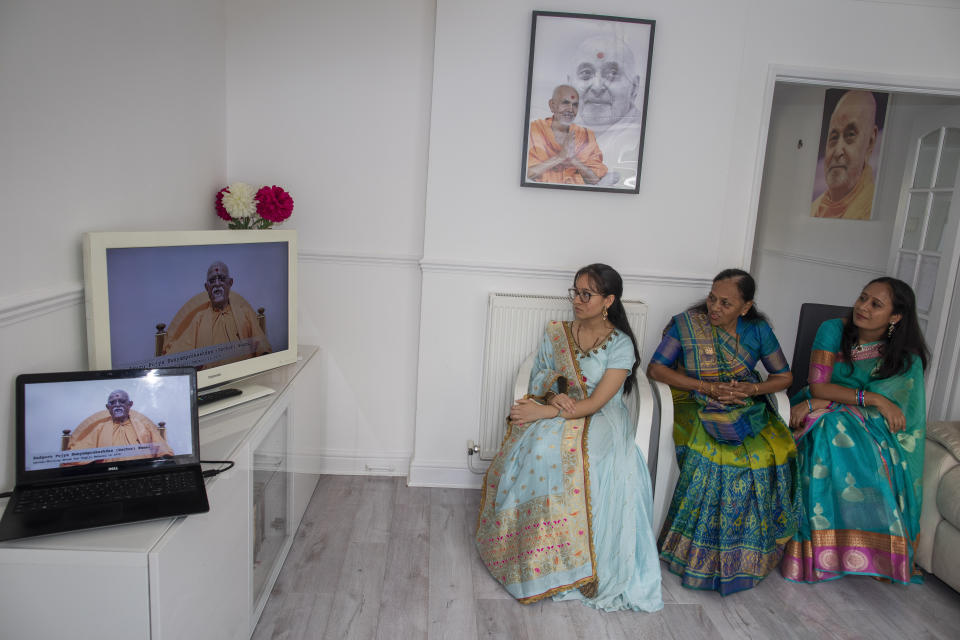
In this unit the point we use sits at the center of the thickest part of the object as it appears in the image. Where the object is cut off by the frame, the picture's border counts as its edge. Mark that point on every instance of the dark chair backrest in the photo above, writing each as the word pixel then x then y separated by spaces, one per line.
pixel 812 315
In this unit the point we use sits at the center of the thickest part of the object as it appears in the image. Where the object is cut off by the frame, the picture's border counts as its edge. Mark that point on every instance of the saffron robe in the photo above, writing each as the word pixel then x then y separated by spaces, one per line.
pixel 99 430
pixel 197 324
pixel 856 205
pixel 543 146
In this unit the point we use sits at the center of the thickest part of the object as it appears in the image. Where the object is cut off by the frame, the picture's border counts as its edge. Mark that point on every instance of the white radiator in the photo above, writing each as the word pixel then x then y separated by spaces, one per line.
pixel 515 325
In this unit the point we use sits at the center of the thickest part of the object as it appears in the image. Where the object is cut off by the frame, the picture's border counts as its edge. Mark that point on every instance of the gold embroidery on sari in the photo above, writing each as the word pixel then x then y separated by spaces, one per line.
pixel 819 356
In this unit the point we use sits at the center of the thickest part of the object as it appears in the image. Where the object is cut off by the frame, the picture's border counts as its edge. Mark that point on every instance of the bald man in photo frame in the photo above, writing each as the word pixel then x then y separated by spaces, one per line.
pixel 851 137
pixel 605 72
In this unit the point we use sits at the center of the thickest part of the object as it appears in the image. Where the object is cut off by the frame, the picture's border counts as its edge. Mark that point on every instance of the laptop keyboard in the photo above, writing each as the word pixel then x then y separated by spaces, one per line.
pixel 107 490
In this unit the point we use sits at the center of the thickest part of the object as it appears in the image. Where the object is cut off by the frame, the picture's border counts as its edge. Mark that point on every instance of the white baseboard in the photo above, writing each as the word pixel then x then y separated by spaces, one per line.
pixel 443 474
pixel 351 463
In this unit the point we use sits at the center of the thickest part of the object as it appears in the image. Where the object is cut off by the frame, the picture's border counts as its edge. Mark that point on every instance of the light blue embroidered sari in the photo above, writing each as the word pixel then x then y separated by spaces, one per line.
pixel 524 531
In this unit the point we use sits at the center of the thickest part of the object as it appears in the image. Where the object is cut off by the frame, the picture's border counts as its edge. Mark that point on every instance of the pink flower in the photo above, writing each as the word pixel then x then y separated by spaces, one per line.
pixel 218 205
pixel 274 204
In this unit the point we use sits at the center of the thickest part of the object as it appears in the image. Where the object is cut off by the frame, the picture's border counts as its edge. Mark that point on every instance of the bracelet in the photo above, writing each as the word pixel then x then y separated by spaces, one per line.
pixel 861 398
pixel 559 411
pixel 699 386
pixel 810 405
pixel 756 389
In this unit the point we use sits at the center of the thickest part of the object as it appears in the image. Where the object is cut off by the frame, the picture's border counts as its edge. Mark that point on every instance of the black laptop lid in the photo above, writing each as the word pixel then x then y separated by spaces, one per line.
pixel 105 422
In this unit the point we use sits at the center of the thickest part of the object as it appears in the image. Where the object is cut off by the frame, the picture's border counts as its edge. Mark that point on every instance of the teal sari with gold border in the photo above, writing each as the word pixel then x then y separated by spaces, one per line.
pixel 861 485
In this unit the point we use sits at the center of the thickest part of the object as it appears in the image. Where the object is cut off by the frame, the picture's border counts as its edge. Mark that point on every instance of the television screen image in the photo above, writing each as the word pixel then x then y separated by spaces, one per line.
pixel 98 421
pixel 221 301
pixel 218 304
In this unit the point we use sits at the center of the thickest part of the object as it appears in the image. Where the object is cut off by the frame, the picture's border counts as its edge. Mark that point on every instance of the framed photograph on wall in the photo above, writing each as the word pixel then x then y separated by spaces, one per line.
pixel 848 159
pixel 587 91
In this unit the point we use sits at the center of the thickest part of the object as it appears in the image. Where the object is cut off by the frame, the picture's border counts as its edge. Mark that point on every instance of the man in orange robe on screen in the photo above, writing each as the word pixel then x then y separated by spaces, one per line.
pixel 216 317
pixel 117 426
pixel 560 152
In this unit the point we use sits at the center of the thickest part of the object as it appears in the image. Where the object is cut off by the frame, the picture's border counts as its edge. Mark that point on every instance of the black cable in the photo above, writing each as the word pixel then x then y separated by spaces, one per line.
pixel 212 472
pixel 6 494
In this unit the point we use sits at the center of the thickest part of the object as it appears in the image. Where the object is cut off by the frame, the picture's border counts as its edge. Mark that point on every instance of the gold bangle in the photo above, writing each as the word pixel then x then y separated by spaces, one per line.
pixel 756 389
pixel 559 411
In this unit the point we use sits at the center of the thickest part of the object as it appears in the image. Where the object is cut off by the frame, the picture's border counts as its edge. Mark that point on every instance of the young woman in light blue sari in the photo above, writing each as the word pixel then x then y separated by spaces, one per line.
pixel 566 503
pixel 860 428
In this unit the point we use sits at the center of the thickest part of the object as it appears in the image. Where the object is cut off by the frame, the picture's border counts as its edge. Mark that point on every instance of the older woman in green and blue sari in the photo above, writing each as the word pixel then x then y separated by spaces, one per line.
pixel 735 504
pixel 860 427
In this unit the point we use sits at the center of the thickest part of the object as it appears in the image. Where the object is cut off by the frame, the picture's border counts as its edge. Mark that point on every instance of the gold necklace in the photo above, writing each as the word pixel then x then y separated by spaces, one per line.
pixel 596 343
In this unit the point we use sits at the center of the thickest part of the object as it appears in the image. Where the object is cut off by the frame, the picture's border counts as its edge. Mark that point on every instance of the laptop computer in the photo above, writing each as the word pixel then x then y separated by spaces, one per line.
pixel 99 448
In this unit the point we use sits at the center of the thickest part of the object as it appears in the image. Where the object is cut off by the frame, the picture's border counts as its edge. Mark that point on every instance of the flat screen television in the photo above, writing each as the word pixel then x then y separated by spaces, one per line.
pixel 221 301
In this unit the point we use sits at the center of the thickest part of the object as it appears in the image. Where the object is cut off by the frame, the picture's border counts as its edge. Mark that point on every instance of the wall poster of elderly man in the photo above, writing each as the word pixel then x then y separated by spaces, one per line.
pixel 587 92
pixel 849 154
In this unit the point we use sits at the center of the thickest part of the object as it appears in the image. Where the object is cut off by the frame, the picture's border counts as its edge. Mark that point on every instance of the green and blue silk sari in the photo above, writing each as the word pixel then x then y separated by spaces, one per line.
pixel 735 504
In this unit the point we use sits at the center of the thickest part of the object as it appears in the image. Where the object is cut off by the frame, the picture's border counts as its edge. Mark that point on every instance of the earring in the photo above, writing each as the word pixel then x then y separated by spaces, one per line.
pixel 893 325
pixel 604 313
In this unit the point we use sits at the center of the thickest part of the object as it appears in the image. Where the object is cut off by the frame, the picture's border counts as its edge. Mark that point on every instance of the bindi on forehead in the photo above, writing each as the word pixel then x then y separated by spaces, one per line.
pixel 600 55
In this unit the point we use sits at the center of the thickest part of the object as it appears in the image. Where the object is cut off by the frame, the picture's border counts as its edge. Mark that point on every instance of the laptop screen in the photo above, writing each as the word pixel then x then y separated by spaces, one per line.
pixel 105 421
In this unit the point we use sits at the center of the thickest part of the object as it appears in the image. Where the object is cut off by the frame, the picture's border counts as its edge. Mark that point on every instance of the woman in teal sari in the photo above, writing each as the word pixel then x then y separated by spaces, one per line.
pixel 566 503
pixel 735 504
pixel 860 428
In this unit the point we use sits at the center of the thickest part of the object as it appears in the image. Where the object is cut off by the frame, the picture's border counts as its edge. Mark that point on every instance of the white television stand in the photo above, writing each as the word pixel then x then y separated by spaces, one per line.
pixel 206 575
pixel 249 391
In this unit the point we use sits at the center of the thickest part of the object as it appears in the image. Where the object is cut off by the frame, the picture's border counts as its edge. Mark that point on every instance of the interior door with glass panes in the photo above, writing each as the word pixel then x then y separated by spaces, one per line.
pixel 925 244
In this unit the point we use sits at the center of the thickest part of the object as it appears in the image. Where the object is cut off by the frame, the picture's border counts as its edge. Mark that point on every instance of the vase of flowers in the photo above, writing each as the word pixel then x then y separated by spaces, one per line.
pixel 245 208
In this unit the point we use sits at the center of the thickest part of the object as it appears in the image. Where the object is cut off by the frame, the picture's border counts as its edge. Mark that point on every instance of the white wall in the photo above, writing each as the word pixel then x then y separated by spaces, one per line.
pixel 701 170
pixel 112 119
pixel 332 101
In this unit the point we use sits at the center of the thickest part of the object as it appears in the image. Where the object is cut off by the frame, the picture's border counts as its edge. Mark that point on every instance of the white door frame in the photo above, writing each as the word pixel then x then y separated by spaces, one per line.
pixel 849 78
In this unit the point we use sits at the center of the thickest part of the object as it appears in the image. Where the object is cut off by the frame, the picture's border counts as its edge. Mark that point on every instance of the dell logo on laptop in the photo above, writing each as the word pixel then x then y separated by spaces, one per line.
pixel 112 468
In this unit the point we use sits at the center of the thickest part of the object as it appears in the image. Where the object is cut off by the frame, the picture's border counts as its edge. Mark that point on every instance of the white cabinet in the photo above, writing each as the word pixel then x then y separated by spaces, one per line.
pixel 203 576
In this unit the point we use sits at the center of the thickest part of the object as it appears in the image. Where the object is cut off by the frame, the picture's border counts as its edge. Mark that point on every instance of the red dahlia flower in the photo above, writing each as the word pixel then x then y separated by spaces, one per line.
pixel 274 204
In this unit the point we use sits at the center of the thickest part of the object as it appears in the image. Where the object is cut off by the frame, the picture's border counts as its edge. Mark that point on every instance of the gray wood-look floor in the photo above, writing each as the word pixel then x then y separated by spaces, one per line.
pixel 374 558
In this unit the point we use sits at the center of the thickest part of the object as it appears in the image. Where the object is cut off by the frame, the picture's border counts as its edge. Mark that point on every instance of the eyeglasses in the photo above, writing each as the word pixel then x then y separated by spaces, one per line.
pixel 583 294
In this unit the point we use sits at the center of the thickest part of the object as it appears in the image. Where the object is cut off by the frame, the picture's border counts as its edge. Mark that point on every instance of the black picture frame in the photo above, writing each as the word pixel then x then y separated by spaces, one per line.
pixel 607 61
